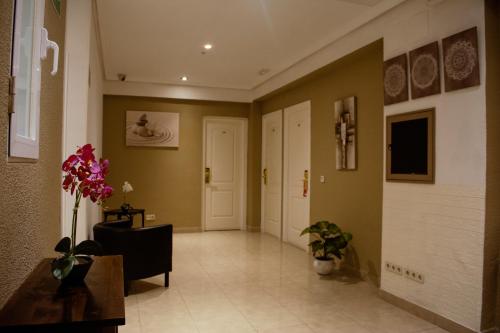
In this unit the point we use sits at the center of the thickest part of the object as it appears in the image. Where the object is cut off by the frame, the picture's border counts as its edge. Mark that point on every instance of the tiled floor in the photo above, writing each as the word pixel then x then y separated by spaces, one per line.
pixel 248 282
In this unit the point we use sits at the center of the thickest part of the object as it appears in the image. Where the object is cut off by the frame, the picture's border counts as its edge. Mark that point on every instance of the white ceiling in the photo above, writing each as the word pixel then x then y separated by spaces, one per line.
pixel 158 41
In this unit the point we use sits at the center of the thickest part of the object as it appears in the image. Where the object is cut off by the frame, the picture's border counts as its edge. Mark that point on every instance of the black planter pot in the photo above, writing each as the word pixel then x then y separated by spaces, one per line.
pixel 79 272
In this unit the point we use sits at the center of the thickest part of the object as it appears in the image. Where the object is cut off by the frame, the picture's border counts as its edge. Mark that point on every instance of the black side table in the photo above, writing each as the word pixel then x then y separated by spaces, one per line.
pixel 120 212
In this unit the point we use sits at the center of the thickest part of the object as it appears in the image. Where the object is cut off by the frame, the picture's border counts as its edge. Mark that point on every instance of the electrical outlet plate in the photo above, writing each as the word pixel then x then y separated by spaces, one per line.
pixel 414 275
pixel 406 272
pixel 393 268
pixel 150 217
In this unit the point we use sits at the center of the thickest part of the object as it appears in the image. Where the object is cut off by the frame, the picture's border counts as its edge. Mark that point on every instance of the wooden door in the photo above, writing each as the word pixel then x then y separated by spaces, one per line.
pixel 272 157
pixel 297 172
pixel 224 176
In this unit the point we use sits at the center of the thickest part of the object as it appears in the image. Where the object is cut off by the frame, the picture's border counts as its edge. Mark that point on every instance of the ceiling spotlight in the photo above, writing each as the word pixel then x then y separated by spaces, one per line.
pixel 184 78
pixel 207 46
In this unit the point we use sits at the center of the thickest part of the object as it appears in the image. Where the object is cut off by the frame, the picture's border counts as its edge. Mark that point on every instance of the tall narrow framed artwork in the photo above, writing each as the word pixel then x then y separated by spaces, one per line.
pixel 345 133
pixel 461 60
pixel 424 71
pixel 152 129
pixel 396 80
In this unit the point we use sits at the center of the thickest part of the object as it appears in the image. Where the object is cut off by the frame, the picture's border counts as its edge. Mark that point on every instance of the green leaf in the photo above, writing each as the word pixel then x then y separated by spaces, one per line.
pixel 338 254
pixel 64 245
pixel 333 229
pixel 329 247
pixel 61 267
pixel 88 247
pixel 322 225
pixel 314 242
pixel 316 246
pixel 347 236
pixel 315 229
pixel 340 242
pixel 305 231
pixel 324 234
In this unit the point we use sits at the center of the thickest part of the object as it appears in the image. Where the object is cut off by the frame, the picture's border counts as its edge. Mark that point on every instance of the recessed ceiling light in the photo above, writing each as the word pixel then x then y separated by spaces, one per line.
pixel 207 46
pixel 184 78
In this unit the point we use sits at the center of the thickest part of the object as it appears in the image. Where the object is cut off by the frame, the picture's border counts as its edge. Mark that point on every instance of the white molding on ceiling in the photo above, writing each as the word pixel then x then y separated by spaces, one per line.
pixel 176 91
pixel 358 33
pixel 354 36
pixel 336 35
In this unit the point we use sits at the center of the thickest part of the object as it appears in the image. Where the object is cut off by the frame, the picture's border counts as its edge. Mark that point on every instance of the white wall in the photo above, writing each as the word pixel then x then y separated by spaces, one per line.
pixel 76 73
pixel 435 229
pixel 94 115
pixel 438 229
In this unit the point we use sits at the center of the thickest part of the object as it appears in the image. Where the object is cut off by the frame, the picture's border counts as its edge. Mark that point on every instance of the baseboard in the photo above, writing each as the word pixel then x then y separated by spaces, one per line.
pixel 425 314
pixel 491 330
pixel 253 228
pixel 179 230
pixel 187 229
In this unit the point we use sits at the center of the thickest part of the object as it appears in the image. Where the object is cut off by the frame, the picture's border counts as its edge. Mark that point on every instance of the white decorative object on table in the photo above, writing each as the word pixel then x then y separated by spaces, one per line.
pixel 126 188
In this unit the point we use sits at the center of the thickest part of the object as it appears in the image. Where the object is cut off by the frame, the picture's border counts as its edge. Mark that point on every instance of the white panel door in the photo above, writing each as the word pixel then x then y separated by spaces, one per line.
pixel 297 161
pixel 272 144
pixel 224 173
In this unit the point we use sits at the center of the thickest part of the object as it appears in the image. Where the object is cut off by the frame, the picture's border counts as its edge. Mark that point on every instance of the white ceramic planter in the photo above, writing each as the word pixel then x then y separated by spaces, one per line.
pixel 323 267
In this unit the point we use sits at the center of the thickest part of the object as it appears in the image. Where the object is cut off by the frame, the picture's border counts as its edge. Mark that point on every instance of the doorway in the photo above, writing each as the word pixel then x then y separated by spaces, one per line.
pixel 272 163
pixel 297 173
pixel 224 173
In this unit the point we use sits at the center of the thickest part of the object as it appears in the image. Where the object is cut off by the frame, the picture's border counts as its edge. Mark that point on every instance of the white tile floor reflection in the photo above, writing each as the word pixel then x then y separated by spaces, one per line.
pixel 248 282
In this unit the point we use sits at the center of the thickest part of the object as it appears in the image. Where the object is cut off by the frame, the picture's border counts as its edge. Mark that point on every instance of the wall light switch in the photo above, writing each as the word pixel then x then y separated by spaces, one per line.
pixel 321 179
pixel 150 217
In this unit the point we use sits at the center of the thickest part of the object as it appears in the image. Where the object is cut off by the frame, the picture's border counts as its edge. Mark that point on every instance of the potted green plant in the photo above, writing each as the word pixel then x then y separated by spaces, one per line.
pixel 328 242
pixel 84 177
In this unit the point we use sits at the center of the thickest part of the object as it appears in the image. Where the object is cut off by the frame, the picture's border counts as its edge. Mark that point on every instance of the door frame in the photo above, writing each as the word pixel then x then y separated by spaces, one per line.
pixel 285 168
pixel 243 176
pixel 262 189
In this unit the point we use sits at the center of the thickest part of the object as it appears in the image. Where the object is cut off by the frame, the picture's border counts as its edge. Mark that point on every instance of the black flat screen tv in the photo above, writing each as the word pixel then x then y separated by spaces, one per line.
pixel 410 147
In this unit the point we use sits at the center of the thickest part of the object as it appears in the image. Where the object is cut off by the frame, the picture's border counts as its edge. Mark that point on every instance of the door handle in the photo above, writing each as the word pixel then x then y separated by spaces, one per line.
pixel 48 44
pixel 208 175
pixel 306 183
pixel 264 175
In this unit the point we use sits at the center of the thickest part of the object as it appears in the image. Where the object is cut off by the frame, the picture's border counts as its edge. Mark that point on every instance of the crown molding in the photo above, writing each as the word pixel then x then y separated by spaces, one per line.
pixel 176 91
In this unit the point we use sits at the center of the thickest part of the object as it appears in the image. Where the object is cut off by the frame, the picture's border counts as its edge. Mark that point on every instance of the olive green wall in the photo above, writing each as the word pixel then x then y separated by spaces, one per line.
pixel 254 160
pixel 491 276
pixel 30 193
pixel 352 199
pixel 167 182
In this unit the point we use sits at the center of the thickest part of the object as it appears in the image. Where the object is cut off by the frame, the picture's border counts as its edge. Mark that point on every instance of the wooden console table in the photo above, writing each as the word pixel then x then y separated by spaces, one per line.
pixel 40 305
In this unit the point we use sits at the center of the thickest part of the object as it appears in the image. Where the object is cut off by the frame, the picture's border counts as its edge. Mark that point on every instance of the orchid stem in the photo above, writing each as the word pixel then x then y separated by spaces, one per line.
pixel 75 217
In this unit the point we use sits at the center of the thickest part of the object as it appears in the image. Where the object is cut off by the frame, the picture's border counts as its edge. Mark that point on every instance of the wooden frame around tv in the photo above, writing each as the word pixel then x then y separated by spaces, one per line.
pixel 428 114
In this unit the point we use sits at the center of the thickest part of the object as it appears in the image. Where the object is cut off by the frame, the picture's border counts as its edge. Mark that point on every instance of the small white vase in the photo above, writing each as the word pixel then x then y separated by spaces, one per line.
pixel 323 267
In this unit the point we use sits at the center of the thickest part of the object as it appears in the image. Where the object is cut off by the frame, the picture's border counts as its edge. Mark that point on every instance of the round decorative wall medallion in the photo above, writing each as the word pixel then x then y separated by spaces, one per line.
pixel 394 80
pixel 424 71
pixel 460 60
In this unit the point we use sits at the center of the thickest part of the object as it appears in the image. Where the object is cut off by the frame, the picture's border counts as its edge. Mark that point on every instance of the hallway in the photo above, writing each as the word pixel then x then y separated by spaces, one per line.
pixel 237 281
